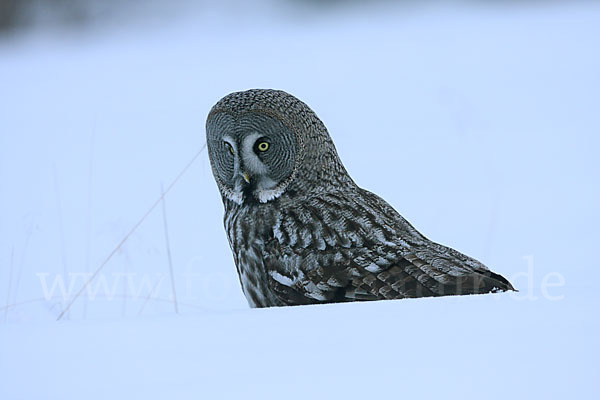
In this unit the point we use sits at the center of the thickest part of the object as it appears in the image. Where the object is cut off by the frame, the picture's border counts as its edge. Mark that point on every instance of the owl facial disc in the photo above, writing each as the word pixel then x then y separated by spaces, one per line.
pixel 253 156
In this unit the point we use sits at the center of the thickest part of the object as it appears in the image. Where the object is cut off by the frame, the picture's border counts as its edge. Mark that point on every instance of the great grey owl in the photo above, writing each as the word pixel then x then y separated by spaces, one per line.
pixel 301 231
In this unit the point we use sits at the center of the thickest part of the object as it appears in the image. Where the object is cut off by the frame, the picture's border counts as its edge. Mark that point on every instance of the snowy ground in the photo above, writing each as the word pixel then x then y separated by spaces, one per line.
pixel 479 124
pixel 484 347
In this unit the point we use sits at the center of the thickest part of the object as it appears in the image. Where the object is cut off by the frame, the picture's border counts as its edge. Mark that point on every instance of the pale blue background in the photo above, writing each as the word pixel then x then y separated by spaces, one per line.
pixel 478 122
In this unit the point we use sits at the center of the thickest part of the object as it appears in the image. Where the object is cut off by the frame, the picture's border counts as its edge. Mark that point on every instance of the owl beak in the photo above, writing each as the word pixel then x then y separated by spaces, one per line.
pixel 246 177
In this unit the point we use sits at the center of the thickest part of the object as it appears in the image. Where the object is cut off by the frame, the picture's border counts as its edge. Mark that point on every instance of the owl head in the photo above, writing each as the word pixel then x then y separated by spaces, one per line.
pixel 263 143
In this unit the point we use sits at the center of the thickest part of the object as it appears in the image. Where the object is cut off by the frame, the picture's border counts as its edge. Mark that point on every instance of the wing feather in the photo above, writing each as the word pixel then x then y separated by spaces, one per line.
pixel 329 256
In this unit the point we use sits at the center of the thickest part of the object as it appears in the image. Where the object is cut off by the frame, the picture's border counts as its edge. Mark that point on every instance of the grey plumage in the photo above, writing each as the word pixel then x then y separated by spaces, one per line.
pixel 301 231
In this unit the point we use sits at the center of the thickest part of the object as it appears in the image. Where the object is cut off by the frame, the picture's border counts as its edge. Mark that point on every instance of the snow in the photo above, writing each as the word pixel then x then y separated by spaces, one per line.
pixel 490 346
pixel 479 123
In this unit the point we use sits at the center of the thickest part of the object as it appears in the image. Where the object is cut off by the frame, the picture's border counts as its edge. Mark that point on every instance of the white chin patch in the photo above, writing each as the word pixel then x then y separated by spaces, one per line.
pixel 235 196
pixel 262 195
pixel 266 195
pixel 267 190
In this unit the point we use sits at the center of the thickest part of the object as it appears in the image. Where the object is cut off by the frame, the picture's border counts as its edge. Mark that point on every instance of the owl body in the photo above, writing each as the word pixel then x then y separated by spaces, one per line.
pixel 301 231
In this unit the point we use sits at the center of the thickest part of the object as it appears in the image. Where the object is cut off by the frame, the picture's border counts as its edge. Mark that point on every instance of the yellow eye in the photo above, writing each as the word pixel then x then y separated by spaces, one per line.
pixel 229 147
pixel 263 146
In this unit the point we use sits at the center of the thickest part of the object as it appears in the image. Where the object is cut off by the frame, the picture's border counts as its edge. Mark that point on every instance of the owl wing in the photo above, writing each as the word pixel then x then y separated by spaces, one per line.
pixel 346 248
